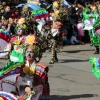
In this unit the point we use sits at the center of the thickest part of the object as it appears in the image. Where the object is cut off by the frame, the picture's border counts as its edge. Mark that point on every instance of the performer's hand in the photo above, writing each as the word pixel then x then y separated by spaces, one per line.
pixel 76 13
pixel 28 90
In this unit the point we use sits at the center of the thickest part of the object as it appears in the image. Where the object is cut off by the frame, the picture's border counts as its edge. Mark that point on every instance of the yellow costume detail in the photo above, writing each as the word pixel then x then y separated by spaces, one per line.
pixel 17 42
pixel 29 70
pixel 30 39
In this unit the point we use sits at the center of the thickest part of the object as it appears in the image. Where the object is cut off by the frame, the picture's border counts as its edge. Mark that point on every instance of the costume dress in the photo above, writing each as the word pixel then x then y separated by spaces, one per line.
pixel 35 74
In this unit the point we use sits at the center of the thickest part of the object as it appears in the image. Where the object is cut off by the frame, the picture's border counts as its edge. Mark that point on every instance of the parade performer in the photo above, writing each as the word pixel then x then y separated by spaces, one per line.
pixel 91 23
pixel 55 34
pixel 57 17
pixel 16 40
pixel 54 31
pixel 27 74
pixel 33 74
pixel 44 28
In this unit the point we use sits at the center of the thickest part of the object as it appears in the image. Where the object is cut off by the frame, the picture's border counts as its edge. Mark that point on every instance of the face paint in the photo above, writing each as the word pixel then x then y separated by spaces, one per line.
pixel 30 52
pixel 19 31
pixel 29 55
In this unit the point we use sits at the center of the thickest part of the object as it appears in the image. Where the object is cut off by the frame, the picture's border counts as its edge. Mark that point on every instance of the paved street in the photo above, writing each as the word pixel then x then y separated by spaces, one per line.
pixel 71 78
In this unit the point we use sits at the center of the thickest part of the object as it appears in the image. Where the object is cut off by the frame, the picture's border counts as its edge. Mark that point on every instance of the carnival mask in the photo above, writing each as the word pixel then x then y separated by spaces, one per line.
pixel 19 31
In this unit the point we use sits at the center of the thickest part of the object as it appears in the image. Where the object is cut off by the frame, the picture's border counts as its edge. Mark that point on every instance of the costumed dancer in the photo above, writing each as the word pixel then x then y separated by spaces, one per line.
pixel 18 39
pixel 96 41
pixel 95 10
pixel 33 75
pixel 30 80
pixel 55 30
pixel 13 41
pixel 91 23
pixel 55 33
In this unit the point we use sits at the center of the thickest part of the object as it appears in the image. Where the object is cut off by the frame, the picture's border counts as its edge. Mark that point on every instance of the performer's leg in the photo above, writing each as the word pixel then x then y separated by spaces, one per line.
pixel 97 50
pixel 53 52
pixel 56 58
pixel 50 47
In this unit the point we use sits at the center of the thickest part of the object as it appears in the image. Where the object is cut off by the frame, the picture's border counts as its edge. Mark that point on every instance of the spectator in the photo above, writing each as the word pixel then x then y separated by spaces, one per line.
pixel 65 39
pixel 74 14
pixel 2 8
pixel 74 40
pixel 73 18
pixel 6 26
pixel 11 22
pixel 4 3
pixel 15 14
pixel 7 13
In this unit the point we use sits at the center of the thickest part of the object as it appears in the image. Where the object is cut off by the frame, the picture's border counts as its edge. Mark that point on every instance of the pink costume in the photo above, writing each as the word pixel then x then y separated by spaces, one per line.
pixel 22 39
pixel 80 31
pixel 15 40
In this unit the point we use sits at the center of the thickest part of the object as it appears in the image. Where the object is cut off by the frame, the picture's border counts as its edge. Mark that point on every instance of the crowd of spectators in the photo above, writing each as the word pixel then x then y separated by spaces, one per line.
pixel 72 32
pixel 74 26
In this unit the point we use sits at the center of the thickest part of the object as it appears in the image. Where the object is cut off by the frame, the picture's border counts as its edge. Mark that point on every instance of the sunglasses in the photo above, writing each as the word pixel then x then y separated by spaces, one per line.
pixel 30 52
